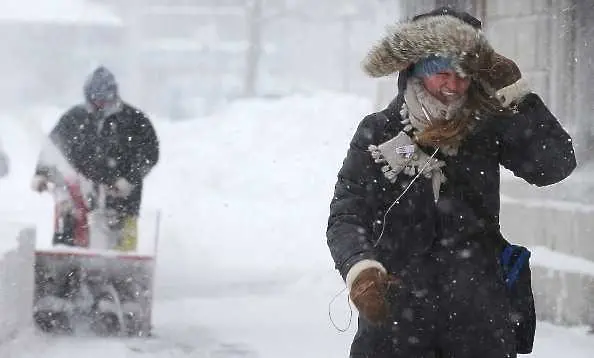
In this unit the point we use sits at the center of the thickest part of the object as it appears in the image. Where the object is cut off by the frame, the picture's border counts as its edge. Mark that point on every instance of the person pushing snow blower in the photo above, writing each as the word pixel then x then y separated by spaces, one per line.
pixel 94 163
pixel 97 156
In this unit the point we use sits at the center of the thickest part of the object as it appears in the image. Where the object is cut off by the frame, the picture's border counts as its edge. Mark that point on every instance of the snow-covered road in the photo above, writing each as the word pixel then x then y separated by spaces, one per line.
pixel 288 322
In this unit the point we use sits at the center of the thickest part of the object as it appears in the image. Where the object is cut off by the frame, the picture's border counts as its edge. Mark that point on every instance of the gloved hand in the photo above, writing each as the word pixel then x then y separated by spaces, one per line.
pixel 503 77
pixel 122 188
pixel 499 71
pixel 39 183
pixel 368 293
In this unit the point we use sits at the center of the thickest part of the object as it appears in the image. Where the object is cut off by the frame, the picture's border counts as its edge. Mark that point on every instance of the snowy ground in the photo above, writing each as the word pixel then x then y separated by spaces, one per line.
pixel 243 269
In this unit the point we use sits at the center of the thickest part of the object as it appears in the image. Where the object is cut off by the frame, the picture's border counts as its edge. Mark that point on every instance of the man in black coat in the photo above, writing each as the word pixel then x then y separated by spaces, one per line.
pixel 108 142
pixel 414 221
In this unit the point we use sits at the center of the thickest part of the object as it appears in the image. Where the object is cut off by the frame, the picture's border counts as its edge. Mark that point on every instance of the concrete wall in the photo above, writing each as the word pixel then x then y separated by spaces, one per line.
pixel 563 297
pixel 560 236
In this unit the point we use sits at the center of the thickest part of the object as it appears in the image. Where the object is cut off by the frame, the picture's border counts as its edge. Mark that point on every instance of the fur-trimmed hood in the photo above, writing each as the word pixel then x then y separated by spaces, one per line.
pixel 441 34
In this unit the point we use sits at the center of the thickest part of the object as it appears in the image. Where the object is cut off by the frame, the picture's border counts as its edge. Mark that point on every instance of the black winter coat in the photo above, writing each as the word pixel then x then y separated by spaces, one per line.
pixel 531 143
pixel 452 299
pixel 125 146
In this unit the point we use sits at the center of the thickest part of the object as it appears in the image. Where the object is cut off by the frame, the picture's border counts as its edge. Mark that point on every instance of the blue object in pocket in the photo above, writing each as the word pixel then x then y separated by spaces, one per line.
pixel 513 259
pixel 516 270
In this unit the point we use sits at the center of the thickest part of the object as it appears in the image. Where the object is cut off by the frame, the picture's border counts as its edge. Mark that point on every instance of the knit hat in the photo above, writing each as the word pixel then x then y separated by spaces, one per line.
pixel 431 65
pixel 101 93
pixel 101 86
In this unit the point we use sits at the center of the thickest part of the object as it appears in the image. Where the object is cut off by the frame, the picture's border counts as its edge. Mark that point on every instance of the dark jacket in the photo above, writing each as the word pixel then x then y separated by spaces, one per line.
pixel 125 146
pixel 423 241
pixel 530 143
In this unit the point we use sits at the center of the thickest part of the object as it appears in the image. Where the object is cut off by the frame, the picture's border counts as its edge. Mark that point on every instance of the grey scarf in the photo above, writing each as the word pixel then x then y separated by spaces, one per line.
pixel 400 154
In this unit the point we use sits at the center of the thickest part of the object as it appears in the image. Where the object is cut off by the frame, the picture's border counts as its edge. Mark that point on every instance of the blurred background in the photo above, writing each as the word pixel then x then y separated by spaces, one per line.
pixel 255 80
pixel 183 58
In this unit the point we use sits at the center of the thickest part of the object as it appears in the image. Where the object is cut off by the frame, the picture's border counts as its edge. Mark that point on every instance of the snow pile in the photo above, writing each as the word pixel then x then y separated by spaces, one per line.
pixel 245 193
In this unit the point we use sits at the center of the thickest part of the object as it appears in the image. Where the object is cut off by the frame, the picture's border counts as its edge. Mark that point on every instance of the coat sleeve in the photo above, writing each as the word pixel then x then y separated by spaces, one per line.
pixel 59 150
pixel 350 227
pixel 534 145
pixel 144 145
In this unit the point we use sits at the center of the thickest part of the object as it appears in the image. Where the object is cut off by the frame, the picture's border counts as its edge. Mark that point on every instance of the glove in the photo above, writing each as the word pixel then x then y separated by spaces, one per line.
pixel 499 71
pixel 368 291
pixel 122 188
pixel 503 77
pixel 39 183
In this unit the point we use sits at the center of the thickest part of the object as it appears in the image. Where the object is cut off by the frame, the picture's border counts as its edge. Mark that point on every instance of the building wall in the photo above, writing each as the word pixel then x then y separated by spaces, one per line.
pixel 582 59
pixel 181 55
pixel 533 33
pixel 306 46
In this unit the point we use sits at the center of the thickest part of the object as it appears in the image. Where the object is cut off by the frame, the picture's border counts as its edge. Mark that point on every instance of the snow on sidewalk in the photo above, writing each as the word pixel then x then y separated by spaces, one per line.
pixel 288 322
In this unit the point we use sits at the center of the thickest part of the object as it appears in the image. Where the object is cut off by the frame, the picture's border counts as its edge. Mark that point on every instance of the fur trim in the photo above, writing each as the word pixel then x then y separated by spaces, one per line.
pixel 411 41
pixel 359 267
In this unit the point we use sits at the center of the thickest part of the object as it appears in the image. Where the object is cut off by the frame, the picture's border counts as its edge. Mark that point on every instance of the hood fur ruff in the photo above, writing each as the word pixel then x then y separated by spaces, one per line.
pixel 411 41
